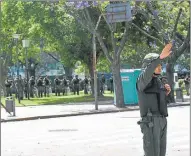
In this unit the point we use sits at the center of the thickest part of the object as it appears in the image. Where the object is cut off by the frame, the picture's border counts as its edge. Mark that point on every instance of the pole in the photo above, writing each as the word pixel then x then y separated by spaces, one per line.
pixel 94 63
pixel 95 72
pixel 27 73
pixel 0 49
pixel 0 79
pixel 17 57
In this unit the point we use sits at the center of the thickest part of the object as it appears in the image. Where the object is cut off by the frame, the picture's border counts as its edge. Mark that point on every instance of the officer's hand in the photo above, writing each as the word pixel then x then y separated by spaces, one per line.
pixel 166 51
pixel 167 86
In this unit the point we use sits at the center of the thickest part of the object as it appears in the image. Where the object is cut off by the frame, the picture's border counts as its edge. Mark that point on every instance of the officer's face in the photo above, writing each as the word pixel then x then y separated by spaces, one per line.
pixel 158 69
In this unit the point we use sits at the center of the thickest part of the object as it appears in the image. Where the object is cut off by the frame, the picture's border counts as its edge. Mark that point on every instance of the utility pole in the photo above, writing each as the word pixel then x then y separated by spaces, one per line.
pixel 94 63
pixel 0 50
pixel 95 71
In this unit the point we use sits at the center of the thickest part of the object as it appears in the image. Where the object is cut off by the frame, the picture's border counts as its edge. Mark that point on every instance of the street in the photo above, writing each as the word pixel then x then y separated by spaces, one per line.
pixel 114 134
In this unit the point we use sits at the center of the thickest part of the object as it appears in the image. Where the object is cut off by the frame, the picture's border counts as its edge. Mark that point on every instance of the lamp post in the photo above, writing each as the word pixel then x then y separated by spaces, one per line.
pixel 26 45
pixel 16 37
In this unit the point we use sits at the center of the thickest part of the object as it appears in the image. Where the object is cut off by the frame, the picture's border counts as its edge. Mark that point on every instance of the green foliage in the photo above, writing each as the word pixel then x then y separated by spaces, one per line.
pixel 139 44
pixel 184 61
pixel 103 65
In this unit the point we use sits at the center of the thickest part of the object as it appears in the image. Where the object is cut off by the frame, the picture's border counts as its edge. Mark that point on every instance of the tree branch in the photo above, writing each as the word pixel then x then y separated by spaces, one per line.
pixel 53 57
pixel 146 34
pixel 99 38
pixel 104 47
pixel 183 47
pixel 156 19
pixel 176 23
pixel 80 21
pixel 113 40
pixel 123 41
pixel 89 18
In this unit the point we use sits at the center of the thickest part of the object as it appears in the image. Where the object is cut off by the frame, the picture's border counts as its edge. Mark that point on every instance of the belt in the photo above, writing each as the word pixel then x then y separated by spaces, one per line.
pixel 155 114
pixel 158 115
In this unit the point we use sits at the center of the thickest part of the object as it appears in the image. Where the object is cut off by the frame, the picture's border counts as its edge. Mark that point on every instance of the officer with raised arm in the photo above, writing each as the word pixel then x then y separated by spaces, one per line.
pixel 152 95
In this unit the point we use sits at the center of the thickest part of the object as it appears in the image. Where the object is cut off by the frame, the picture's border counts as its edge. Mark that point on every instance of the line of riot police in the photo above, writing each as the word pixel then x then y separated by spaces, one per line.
pixel 44 87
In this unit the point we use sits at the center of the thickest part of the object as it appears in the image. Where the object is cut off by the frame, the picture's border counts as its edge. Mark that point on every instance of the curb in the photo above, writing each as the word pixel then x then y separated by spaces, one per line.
pixel 79 114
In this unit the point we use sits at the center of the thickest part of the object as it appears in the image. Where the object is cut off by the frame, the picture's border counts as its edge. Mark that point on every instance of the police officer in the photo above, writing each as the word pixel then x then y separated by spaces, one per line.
pixel 40 87
pixel 31 86
pixel 76 83
pixel 47 84
pixel 19 87
pixel 86 83
pixel 25 87
pixel 102 84
pixel 57 83
pixel 111 83
pixel 152 93
pixel 64 85
pixel 187 84
pixel 8 85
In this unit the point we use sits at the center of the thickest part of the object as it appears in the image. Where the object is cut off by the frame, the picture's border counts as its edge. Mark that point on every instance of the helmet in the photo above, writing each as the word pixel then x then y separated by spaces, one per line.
pixel 149 58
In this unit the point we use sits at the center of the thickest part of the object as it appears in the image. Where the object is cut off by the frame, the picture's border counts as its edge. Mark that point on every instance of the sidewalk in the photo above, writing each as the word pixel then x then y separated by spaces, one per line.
pixel 70 109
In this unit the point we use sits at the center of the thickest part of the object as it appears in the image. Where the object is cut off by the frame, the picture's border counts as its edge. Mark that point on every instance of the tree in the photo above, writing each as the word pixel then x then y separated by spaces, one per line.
pixel 170 21
pixel 112 47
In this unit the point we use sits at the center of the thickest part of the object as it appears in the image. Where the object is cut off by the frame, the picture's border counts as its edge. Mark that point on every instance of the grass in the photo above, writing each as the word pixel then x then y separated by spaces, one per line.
pixel 60 99
pixel 52 100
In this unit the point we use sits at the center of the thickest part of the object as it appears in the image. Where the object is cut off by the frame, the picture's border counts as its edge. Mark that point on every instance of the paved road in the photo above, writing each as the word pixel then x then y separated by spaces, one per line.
pixel 115 134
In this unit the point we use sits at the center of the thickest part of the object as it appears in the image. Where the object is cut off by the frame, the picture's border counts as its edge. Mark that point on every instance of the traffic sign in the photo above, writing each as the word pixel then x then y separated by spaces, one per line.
pixel 118 12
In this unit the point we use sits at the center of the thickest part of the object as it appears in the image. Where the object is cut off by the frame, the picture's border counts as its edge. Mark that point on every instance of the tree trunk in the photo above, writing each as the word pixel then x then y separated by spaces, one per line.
pixel 68 71
pixel 118 85
pixel 90 67
pixel 32 72
pixel 170 77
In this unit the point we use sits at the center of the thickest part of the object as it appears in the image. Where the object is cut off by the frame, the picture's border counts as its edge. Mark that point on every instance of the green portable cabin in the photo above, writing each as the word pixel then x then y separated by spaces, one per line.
pixel 129 79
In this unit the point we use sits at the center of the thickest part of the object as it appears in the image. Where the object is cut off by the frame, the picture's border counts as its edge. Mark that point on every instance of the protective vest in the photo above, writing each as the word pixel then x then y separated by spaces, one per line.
pixel 151 91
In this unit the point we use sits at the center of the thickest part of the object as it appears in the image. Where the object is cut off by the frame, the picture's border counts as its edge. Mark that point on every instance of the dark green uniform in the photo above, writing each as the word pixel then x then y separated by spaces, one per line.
pixel 40 87
pixel 47 84
pixel 111 84
pixel 76 83
pixel 64 85
pixel 8 85
pixel 57 84
pixel 86 83
pixel 102 84
pixel 153 108
pixel 31 86
pixel 19 87
pixel 25 88
pixel 187 85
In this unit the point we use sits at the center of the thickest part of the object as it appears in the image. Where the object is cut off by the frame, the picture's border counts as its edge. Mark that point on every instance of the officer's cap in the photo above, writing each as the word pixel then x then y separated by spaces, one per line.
pixel 149 58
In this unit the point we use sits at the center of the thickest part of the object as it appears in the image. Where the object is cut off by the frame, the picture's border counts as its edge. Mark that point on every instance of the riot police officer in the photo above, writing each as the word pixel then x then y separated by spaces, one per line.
pixel 152 93
pixel 25 87
pixel 86 83
pixel 64 85
pixel 102 84
pixel 76 83
pixel 187 84
pixel 47 84
pixel 40 87
pixel 31 86
pixel 19 88
pixel 57 83
pixel 8 85
pixel 111 83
